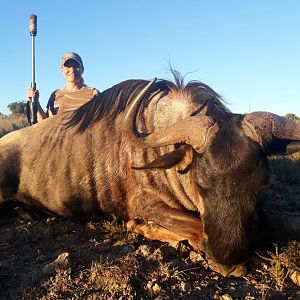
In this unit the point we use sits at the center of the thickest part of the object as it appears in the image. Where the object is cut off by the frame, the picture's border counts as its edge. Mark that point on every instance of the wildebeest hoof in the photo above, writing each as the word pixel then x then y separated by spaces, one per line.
pixel 28 213
pixel 148 229
pixel 226 271
pixel 133 223
pixel 154 231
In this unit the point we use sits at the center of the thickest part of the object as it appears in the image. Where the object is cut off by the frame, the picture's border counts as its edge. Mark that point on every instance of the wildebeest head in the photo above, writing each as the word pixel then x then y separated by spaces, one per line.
pixel 228 161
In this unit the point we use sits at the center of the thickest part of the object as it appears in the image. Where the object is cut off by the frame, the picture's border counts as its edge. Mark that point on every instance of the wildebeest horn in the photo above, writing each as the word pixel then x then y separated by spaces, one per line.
pixel 133 107
pixel 195 130
pixel 265 128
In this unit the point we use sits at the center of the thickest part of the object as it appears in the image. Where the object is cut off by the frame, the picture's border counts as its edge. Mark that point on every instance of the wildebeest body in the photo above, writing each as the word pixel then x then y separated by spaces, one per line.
pixel 72 174
pixel 194 177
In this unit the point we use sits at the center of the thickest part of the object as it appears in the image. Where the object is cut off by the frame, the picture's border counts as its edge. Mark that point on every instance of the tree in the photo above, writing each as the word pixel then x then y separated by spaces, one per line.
pixel 17 108
pixel 292 117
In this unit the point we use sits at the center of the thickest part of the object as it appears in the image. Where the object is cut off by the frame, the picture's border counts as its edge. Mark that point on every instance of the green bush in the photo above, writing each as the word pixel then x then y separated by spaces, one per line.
pixel 17 107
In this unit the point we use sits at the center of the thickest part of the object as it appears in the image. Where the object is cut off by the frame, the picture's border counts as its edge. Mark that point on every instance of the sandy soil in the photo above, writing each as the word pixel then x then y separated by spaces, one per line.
pixel 54 258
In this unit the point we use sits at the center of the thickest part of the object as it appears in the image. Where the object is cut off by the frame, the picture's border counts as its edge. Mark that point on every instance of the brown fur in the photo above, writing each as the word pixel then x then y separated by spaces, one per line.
pixel 79 165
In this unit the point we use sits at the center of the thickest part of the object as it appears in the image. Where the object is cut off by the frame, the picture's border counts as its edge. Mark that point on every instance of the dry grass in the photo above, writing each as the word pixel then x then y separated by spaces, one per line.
pixel 280 266
pixel 275 269
pixel 113 226
pixel 11 123
pixel 102 280
pixel 104 261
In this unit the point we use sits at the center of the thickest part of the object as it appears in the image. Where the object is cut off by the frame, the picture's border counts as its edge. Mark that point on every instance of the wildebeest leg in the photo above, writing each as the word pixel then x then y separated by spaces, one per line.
pixel 163 223
pixel 22 210
pixel 30 213
pixel 177 227
pixel 168 224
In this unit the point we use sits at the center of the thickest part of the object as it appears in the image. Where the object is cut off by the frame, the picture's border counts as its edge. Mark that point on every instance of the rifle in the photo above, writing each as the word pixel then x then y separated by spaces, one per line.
pixel 32 104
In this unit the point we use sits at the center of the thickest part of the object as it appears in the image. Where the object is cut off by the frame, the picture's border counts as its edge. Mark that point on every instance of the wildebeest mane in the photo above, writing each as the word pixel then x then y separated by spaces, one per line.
pixel 110 102
pixel 114 100
pixel 201 93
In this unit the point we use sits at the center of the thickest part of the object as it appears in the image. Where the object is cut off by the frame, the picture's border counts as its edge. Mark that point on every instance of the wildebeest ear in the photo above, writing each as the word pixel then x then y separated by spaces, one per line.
pixel 274 133
pixel 181 158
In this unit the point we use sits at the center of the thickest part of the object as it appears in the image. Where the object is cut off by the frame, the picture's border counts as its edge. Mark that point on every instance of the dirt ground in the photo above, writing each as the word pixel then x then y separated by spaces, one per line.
pixel 54 258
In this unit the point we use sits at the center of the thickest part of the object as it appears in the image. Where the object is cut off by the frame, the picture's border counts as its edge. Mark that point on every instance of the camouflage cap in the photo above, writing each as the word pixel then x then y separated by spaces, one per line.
pixel 73 56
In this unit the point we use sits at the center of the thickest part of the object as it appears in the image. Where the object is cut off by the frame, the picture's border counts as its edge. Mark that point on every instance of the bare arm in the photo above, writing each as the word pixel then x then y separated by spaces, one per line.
pixel 41 115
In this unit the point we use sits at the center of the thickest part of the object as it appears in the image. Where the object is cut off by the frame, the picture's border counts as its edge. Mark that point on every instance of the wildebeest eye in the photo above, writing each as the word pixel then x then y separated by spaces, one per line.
pixel 178 145
pixel 194 113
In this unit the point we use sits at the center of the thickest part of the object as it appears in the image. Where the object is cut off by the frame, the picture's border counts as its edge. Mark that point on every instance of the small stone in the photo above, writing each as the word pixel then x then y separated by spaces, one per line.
pixel 50 219
pixel 156 288
pixel 90 226
pixel 149 285
pixel 144 250
pixel 217 296
pixel 185 286
pixel 125 249
pixel 295 277
pixel 61 262
pixel 175 245
pixel 118 243
pixel 196 257
pixel 226 297
pixel 106 241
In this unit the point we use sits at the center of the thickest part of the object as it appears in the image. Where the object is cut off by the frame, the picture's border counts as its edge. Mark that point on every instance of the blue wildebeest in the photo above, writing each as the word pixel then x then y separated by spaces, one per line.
pixel 169 158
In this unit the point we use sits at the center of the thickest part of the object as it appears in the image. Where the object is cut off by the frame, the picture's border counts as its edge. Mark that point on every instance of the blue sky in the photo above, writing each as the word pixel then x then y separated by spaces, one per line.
pixel 248 51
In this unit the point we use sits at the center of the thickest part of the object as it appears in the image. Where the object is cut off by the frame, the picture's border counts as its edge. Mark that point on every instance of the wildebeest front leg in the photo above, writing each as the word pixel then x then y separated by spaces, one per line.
pixel 167 224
